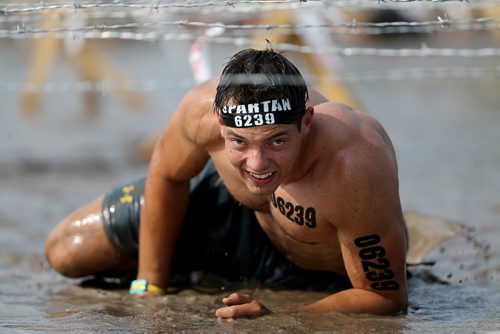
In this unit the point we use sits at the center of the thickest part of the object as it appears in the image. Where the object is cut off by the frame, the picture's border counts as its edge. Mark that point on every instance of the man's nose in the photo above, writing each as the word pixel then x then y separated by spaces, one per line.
pixel 257 160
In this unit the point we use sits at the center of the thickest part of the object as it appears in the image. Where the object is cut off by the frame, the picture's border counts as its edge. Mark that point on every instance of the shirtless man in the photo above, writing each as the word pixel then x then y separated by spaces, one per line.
pixel 255 179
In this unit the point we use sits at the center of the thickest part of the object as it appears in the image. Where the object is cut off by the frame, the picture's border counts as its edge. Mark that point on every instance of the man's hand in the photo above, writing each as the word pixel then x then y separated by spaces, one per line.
pixel 241 305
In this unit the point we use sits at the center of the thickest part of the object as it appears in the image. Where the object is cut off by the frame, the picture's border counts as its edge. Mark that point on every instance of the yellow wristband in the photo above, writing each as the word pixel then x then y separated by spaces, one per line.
pixel 142 285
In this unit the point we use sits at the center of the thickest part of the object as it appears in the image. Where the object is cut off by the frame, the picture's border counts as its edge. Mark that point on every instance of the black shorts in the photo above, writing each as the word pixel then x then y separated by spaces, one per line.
pixel 219 236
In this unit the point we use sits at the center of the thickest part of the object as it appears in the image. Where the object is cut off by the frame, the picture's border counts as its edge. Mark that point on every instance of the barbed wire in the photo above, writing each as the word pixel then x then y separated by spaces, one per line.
pixel 353 27
pixel 259 5
pixel 153 6
pixel 423 51
pixel 412 74
pixel 19 12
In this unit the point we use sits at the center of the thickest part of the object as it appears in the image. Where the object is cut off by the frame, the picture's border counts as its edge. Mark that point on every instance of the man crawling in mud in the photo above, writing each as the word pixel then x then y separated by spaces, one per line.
pixel 255 179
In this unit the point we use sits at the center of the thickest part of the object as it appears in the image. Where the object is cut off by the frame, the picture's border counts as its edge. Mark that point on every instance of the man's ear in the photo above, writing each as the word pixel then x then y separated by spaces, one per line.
pixel 221 123
pixel 307 118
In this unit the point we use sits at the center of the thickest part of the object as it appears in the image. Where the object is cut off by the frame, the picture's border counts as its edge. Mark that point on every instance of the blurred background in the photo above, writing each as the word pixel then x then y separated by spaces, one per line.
pixel 86 87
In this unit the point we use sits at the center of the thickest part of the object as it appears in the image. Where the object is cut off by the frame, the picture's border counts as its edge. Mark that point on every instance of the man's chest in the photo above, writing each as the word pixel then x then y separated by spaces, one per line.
pixel 302 229
pixel 301 215
pixel 300 212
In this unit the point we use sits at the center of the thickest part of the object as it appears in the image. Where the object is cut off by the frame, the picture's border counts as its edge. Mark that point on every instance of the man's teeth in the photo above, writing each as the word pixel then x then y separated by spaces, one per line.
pixel 261 176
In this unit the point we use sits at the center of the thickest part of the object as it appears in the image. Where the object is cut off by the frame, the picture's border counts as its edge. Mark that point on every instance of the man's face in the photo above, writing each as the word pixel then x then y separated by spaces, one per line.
pixel 263 155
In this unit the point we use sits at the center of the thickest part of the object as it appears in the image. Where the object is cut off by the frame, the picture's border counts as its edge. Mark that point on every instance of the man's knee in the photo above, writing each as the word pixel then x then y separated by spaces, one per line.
pixel 59 259
pixel 73 246
pixel 60 250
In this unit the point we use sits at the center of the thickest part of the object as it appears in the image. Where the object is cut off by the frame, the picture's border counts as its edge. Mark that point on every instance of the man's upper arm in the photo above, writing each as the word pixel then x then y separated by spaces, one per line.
pixel 177 155
pixel 372 233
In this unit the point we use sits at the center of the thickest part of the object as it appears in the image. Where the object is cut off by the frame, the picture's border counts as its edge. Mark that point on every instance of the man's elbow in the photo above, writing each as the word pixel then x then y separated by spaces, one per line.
pixel 393 306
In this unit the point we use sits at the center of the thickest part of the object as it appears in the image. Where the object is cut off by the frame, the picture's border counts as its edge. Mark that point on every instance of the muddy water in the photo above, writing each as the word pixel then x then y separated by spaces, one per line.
pixel 445 131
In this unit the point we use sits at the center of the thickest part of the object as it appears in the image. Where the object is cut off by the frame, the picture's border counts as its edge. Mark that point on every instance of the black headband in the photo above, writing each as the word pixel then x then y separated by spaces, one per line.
pixel 276 111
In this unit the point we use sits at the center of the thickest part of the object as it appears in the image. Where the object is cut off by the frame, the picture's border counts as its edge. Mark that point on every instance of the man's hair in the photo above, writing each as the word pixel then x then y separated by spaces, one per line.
pixel 257 75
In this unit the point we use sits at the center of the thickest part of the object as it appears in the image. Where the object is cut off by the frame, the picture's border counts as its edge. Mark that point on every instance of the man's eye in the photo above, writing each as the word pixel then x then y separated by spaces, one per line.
pixel 237 142
pixel 278 142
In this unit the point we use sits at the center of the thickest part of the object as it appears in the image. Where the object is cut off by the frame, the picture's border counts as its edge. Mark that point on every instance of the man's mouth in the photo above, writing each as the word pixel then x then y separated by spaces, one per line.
pixel 261 176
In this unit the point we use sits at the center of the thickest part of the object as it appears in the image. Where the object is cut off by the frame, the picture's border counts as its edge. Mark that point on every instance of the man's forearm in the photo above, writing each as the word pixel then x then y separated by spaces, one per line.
pixel 357 301
pixel 347 301
pixel 164 208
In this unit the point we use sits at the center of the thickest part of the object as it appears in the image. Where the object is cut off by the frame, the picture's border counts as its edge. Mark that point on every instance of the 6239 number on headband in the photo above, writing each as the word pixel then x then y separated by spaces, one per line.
pixel 248 120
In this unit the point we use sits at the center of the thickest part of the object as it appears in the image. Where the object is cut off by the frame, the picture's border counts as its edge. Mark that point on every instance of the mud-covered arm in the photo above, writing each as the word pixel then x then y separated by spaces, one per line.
pixel 176 159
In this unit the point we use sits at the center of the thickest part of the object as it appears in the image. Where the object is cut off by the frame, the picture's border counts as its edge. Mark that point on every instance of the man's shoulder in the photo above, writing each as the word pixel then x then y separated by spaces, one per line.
pixel 356 165
pixel 356 148
pixel 199 99
pixel 349 128
pixel 196 114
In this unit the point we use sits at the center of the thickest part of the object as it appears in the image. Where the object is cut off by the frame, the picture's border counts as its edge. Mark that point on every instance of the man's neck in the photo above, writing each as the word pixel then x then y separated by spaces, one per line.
pixel 304 162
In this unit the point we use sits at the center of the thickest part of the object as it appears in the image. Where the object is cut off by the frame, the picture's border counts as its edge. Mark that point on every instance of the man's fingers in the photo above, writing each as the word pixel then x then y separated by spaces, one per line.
pixel 237 299
pixel 240 305
pixel 252 309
